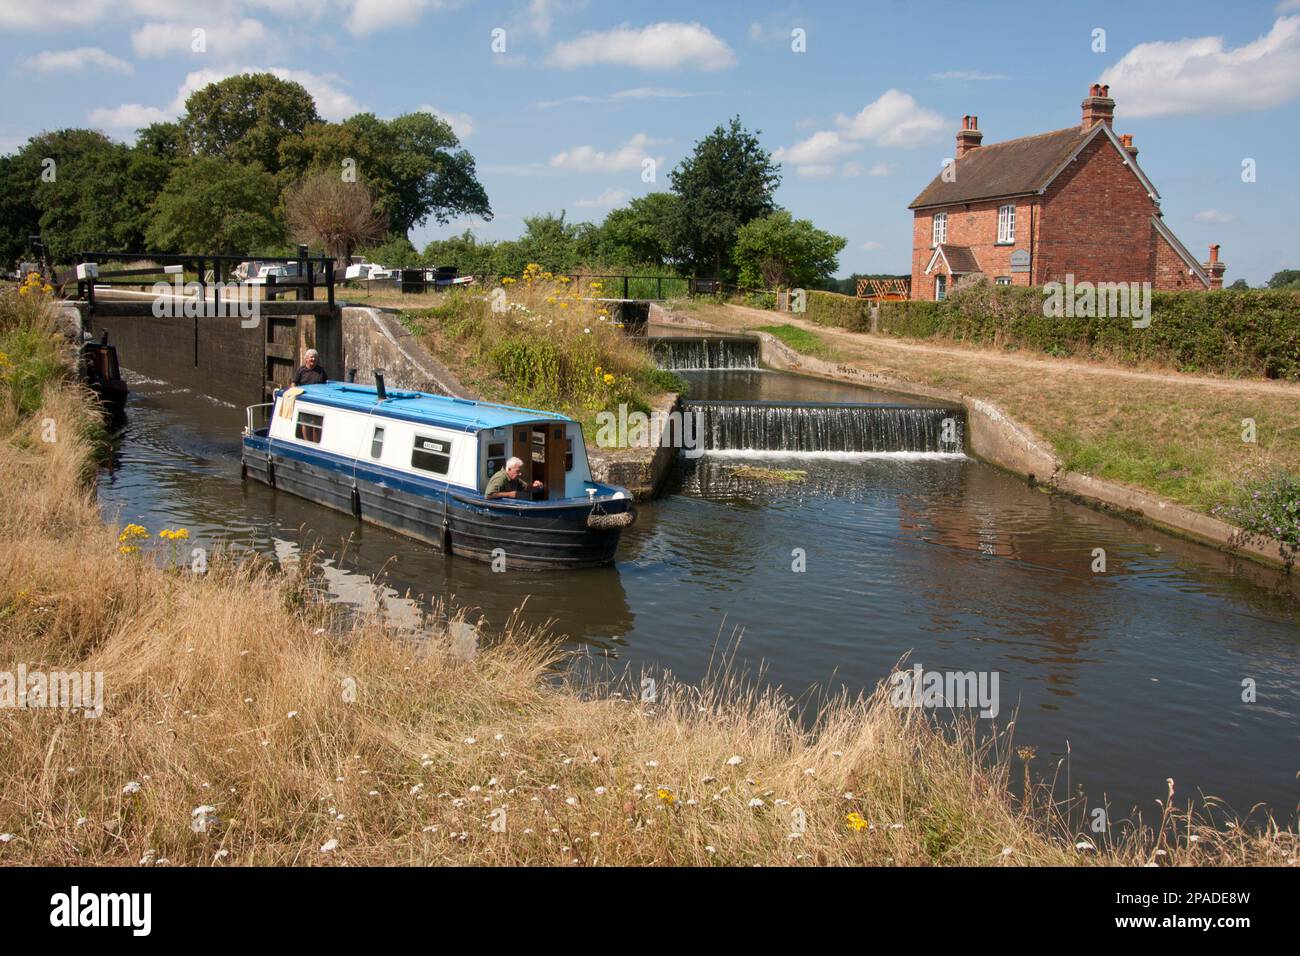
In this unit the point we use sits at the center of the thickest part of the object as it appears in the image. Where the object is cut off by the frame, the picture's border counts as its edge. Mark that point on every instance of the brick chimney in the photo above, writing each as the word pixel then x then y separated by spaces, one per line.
pixel 1098 107
pixel 1214 268
pixel 969 136
pixel 1127 142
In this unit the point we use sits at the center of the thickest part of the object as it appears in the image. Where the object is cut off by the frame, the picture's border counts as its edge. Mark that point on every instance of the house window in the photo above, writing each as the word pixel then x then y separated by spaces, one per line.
pixel 1003 280
pixel 940 288
pixel 377 442
pixel 1007 224
pixel 431 454
pixel 940 233
pixel 309 427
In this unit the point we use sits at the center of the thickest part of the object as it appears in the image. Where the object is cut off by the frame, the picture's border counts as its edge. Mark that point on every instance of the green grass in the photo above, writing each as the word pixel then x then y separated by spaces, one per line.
pixel 801 340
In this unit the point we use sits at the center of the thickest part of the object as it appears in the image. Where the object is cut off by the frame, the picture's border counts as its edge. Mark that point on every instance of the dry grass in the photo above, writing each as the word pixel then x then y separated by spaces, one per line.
pixel 240 690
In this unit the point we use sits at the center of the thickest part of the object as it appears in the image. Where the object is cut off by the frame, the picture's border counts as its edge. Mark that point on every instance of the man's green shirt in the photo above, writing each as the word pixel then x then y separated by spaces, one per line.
pixel 502 482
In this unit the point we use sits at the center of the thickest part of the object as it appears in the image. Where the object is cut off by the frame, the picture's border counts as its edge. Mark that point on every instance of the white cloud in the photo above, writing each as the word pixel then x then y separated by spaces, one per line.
pixel 371 16
pixel 236 38
pixel 331 102
pixel 67 61
pixel 817 149
pixel 872 245
pixel 462 124
pixel 606 200
pixel 894 119
pixel 660 46
pixel 587 159
pixel 129 116
pixel 968 76
pixel 815 171
pixel 1201 76
pixel 1213 215
pixel 539 17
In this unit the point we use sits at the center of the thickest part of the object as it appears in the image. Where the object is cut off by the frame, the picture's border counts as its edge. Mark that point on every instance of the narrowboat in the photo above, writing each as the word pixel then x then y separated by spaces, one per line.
pixel 100 371
pixel 419 464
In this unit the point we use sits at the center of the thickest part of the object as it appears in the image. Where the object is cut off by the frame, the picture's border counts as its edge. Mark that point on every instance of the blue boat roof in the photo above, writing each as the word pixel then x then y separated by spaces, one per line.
pixel 460 413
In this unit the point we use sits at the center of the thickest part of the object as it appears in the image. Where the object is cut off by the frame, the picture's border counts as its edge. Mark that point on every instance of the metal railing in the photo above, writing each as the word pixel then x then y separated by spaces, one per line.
pixel 257 417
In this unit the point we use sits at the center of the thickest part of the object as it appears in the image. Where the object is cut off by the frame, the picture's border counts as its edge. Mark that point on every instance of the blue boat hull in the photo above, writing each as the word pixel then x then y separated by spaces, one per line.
pixel 528 535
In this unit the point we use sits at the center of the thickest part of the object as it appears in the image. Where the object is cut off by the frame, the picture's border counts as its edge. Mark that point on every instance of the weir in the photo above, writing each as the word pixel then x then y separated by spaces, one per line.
pixel 828 427
pixel 685 352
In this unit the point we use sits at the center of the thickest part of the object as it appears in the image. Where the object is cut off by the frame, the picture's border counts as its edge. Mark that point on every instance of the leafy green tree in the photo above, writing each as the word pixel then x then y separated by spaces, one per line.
pixel 163 140
pixel 640 233
pixel 464 252
pixel 214 206
pixel 1285 279
pixel 245 118
pixel 396 253
pixel 95 194
pixel 725 183
pixel 410 162
pixel 1240 284
pixel 20 219
pixel 779 251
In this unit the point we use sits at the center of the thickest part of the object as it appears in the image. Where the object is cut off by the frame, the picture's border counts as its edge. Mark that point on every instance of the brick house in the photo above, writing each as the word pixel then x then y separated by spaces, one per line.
pixel 1030 210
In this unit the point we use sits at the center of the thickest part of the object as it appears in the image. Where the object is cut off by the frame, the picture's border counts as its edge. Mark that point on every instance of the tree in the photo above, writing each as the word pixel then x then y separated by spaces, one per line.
pixel 725 183
pixel 778 251
pixel 395 254
pixel 245 118
pixel 1285 279
pixel 410 162
pixel 214 206
pixel 1240 284
pixel 640 233
pixel 464 252
pixel 324 210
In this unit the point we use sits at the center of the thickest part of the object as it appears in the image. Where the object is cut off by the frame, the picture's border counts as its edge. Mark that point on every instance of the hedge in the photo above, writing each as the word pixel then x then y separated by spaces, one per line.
pixel 831 308
pixel 1253 332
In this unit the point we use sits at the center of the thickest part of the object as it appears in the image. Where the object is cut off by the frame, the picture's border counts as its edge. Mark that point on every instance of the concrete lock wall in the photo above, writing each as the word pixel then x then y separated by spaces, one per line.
pixel 218 355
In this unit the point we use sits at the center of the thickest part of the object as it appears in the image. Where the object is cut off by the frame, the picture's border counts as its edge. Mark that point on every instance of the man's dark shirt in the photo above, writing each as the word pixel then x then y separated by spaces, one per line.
pixel 309 376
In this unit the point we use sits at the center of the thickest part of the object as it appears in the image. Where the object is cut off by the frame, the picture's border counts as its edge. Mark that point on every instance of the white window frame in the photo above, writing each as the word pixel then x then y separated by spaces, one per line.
pixel 1002 280
pixel 939 229
pixel 1007 224
pixel 940 287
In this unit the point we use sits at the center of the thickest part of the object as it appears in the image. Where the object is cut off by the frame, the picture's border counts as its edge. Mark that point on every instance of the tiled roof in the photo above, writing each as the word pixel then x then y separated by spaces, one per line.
pixel 1011 168
pixel 961 261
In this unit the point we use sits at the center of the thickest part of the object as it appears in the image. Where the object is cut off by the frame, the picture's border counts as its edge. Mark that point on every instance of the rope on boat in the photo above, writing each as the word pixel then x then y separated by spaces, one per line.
pixel 605 522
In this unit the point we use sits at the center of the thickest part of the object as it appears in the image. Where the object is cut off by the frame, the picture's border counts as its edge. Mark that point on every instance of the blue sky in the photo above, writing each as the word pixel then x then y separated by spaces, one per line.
pixel 584 92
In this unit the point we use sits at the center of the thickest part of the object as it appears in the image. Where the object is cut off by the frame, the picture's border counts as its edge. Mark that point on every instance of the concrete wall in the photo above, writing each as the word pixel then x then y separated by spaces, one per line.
pixel 217 355
pixel 374 338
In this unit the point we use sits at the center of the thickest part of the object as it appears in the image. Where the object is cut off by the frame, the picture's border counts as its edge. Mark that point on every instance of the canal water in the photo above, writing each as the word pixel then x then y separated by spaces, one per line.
pixel 1130 676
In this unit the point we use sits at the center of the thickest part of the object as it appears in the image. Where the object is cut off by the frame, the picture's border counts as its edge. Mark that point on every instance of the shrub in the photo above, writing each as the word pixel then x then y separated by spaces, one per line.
pixel 1234 331
pixel 1268 507
pixel 842 311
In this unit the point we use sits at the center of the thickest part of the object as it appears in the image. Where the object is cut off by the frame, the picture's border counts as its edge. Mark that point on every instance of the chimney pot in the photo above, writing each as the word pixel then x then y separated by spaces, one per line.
pixel 1214 253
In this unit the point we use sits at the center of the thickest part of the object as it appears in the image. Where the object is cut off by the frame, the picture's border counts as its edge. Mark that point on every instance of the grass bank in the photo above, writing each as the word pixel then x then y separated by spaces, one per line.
pixel 541 343
pixel 244 723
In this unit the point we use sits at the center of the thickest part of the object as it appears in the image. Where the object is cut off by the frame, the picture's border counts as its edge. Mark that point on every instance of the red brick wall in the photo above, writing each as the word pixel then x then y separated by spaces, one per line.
pixel 1171 268
pixel 974 225
pixel 1096 222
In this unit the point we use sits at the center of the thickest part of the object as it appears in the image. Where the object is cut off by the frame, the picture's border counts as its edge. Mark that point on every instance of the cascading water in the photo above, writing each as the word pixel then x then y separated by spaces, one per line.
pixel 817 427
pixel 681 352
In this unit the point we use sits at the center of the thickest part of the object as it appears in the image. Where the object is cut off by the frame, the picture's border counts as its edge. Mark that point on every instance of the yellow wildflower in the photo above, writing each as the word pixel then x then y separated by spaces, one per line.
pixel 667 796
pixel 609 379
pixel 857 821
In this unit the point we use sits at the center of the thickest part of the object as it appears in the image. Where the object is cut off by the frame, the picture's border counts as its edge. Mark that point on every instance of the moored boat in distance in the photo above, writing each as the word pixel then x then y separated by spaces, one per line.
pixel 419 464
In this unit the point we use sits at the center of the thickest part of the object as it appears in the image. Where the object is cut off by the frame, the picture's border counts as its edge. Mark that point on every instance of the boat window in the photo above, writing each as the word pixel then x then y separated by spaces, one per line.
pixel 568 454
pixel 431 454
pixel 377 442
pixel 496 459
pixel 309 427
